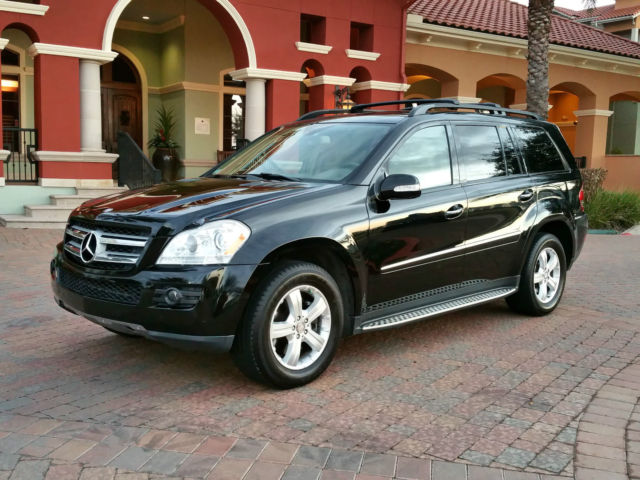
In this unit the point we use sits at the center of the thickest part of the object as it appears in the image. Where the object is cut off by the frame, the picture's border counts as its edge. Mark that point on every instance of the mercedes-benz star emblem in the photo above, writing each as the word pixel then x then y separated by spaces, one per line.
pixel 89 247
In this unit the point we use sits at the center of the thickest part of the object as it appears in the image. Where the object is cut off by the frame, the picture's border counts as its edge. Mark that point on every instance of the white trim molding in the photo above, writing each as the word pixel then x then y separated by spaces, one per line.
pixel 523 106
pixel 83 157
pixel 377 85
pixel 2 183
pixel 266 74
pixel 185 86
pixel 116 11
pixel 22 7
pixel 362 55
pixel 150 27
pixel 77 182
pixel 3 43
pixel 67 51
pixel 462 99
pixel 593 113
pixel 329 80
pixel 313 47
pixel 198 162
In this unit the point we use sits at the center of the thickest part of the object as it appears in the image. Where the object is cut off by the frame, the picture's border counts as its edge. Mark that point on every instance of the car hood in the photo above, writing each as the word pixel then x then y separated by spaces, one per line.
pixel 205 196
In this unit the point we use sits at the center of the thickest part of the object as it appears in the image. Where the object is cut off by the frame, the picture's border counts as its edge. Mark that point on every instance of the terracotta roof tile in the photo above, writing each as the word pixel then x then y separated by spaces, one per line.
pixel 503 17
pixel 588 12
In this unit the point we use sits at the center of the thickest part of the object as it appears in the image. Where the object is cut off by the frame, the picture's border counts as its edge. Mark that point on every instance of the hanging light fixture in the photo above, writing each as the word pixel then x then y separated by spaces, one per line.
pixel 343 98
pixel 9 85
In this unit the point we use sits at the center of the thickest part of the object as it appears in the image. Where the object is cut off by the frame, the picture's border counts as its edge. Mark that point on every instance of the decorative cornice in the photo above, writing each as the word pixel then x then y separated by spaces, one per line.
pixel 21 7
pixel 313 47
pixel 329 80
pixel 266 74
pixel 593 112
pixel 150 27
pixel 83 157
pixel 3 43
pixel 439 36
pixel 377 85
pixel 67 51
pixel 184 86
pixel 362 55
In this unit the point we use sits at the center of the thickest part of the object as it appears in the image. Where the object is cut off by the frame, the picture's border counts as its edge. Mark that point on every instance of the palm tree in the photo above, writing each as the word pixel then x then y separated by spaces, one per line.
pixel 539 27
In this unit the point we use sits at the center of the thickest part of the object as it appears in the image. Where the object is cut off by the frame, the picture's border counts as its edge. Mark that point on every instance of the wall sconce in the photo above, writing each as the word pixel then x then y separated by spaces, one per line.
pixel 10 85
pixel 343 99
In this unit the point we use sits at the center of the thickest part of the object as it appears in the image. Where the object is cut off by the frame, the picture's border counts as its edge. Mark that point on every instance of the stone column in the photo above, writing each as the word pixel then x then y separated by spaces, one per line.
pixel 90 107
pixel 591 136
pixel 254 125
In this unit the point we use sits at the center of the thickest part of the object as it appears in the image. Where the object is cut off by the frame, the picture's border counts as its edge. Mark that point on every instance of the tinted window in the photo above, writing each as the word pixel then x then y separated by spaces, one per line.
pixel 510 154
pixel 425 154
pixel 538 150
pixel 480 150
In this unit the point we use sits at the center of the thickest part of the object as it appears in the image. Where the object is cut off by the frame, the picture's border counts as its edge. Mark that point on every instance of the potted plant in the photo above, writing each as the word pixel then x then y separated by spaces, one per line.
pixel 165 157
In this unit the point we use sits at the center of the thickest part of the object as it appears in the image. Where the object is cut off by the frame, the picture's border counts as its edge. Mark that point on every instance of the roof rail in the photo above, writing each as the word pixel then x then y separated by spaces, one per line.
pixel 318 113
pixel 494 108
pixel 408 103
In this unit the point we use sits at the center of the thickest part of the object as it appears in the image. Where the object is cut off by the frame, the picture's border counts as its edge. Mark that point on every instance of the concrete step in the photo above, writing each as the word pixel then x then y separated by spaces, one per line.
pixel 72 201
pixel 47 212
pixel 23 221
pixel 99 192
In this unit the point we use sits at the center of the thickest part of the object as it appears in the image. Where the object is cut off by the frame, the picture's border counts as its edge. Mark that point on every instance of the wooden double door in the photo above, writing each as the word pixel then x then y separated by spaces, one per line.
pixel 121 112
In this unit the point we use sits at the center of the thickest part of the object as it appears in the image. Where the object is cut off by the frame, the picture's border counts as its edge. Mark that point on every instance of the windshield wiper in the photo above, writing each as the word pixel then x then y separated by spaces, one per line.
pixel 274 176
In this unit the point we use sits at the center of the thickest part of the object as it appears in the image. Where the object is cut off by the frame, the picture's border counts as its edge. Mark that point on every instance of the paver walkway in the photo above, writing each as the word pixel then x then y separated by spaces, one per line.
pixel 483 387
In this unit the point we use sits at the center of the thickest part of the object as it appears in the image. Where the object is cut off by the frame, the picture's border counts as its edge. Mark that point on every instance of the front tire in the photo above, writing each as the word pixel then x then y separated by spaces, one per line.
pixel 543 278
pixel 292 326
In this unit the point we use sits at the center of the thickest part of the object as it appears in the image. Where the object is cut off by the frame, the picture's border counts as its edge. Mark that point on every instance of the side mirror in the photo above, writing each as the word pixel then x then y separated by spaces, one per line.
pixel 399 186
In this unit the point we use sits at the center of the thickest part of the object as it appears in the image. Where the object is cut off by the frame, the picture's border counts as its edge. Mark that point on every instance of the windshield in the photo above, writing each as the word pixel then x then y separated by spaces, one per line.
pixel 312 152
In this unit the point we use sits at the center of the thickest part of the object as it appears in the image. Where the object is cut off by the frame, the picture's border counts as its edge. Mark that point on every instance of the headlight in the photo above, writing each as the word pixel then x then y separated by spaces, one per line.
pixel 212 243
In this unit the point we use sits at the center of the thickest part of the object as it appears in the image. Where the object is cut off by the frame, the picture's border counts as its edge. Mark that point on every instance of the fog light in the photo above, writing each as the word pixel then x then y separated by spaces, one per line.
pixel 173 296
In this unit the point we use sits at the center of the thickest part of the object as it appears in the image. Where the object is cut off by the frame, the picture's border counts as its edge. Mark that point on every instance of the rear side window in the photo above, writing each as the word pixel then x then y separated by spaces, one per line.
pixel 424 154
pixel 539 152
pixel 480 149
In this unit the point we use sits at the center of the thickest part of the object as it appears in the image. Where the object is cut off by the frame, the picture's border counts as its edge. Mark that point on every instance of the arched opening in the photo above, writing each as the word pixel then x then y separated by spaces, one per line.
pixel 428 82
pixel 19 135
pixel 361 74
pixel 500 88
pixel 184 51
pixel 311 97
pixel 565 99
pixel 623 137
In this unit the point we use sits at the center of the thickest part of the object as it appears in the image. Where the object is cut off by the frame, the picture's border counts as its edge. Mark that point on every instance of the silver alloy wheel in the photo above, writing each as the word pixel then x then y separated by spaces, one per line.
pixel 546 276
pixel 300 327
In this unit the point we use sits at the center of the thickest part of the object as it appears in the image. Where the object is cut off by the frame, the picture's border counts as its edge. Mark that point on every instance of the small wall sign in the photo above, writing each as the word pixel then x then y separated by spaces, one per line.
pixel 203 126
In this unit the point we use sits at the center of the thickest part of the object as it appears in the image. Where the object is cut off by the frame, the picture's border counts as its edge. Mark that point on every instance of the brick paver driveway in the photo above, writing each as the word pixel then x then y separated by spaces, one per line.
pixel 484 386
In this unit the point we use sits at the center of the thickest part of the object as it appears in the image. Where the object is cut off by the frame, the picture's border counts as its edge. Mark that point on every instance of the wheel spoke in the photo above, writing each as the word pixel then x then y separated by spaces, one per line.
pixel 317 308
pixel 542 259
pixel 292 355
pixel 315 341
pixel 538 277
pixel 543 291
pixel 553 262
pixel 281 329
pixel 553 284
pixel 294 302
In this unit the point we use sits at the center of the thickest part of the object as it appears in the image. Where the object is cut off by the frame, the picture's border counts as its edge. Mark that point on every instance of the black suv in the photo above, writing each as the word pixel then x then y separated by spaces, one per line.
pixel 340 223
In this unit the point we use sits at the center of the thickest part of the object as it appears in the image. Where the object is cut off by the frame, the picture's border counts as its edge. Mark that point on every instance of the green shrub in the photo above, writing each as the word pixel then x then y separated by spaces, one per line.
pixel 613 210
pixel 592 180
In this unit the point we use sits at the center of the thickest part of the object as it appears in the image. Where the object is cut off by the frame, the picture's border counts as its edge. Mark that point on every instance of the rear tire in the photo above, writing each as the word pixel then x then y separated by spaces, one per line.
pixel 543 278
pixel 291 329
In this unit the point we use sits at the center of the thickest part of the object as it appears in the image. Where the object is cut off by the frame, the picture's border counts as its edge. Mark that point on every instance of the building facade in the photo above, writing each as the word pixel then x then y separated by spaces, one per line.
pixel 76 73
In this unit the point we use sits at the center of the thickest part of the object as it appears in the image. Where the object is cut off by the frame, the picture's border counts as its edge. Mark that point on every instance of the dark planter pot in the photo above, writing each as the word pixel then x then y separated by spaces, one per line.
pixel 167 161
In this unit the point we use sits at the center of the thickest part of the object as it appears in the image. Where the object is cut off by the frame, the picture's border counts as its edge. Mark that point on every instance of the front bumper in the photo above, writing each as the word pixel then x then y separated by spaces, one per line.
pixel 134 304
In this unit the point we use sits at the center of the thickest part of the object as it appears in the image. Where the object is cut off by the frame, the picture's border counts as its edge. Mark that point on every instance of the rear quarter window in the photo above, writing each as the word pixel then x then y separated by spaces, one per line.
pixel 539 152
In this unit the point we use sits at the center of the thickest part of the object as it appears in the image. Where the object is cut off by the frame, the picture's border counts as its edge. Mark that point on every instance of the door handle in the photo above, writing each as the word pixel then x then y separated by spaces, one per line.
pixel 526 195
pixel 454 212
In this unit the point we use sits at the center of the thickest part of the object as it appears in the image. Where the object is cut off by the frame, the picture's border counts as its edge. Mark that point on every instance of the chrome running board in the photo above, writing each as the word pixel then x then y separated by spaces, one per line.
pixel 436 309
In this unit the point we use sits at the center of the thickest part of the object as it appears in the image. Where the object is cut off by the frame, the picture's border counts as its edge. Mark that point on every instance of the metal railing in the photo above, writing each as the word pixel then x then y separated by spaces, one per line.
pixel 134 168
pixel 20 166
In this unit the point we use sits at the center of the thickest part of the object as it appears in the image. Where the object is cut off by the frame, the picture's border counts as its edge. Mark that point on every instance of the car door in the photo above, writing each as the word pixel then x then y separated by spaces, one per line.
pixel 501 200
pixel 413 244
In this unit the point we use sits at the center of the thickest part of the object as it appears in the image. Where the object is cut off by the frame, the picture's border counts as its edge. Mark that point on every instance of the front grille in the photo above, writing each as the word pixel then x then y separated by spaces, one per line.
pixel 121 291
pixel 115 247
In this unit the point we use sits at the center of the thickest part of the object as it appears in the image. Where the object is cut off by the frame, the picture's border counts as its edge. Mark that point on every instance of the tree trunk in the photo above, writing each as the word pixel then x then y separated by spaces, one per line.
pixel 539 26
